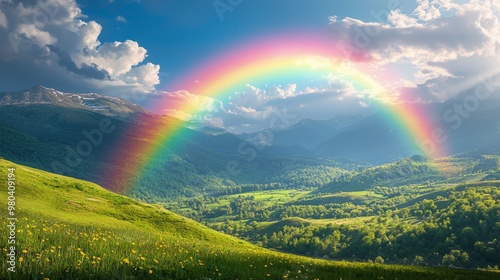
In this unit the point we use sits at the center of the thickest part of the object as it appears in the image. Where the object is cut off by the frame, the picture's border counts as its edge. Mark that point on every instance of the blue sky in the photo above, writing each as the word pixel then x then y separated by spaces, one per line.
pixel 423 51
pixel 179 34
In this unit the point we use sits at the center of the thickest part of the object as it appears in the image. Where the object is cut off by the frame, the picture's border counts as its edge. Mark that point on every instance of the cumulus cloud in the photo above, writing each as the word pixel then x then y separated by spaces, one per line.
pixel 89 71
pixel 401 20
pixel 438 42
pixel 146 75
pixel 427 10
pixel 252 113
pixel 116 58
pixel 253 96
pixel 183 104
pixel 57 38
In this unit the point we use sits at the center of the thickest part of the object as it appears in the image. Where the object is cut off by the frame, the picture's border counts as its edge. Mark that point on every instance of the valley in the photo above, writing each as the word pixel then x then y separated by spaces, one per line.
pixel 370 214
pixel 69 229
pixel 317 216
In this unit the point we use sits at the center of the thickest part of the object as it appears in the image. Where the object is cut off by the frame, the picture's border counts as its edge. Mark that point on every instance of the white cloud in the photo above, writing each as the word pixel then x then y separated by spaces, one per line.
pixel 427 10
pixel 363 104
pixel 121 19
pixel 55 36
pixel 116 58
pixel 36 36
pixel 440 40
pixel 246 110
pixel 178 114
pixel 286 91
pixel 252 113
pixel 253 96
pixel 339 84
pixel 213 121
pixel 400 20
pixel 3 20
pixel 146 75
pixel 185 105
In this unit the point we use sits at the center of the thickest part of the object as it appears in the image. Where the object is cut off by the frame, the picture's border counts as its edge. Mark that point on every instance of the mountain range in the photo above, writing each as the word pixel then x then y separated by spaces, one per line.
pixel 346 188
pixel 106 105
pixel 39 125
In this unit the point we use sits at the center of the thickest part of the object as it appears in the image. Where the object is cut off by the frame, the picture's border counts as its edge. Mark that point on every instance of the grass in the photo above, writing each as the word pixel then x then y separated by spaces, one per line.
pixel 268 197
pixel 269 228
pixel 356 197
pixel 286 196
pixel 272 196
pixel 71 229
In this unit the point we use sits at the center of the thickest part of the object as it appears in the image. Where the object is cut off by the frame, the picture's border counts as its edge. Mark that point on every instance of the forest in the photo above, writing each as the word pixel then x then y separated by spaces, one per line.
pixel 382 214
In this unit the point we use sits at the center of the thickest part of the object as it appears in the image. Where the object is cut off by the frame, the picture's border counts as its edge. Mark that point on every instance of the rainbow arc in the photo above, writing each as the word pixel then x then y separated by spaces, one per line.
pixel 262 61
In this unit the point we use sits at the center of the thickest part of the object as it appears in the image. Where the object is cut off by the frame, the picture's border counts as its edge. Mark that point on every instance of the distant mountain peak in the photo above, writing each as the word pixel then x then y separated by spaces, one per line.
pixel 40 87
pixel 39 94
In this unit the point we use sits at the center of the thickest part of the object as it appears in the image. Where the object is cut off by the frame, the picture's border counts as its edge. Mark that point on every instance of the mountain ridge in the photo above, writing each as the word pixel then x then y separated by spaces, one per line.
pixel 106 105
pixel 306 133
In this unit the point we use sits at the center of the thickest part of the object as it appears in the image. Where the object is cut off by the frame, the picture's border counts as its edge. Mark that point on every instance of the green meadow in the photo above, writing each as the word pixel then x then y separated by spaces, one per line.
pixel 72 229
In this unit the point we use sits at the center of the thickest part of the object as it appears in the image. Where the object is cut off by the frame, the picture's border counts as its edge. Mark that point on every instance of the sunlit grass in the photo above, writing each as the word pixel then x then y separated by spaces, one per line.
pixel 57 250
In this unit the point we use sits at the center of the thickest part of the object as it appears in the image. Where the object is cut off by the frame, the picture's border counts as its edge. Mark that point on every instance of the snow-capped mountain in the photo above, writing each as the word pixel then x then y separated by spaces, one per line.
pixel 106 105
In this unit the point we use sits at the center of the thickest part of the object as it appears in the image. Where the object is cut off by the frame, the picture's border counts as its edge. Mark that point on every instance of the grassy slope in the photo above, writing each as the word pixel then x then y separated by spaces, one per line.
pixel 72 229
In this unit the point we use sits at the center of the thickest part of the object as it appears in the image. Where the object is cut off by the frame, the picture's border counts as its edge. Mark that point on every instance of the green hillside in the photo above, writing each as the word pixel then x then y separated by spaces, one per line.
pixel 72 229
pixel 47 136
pixel 414 170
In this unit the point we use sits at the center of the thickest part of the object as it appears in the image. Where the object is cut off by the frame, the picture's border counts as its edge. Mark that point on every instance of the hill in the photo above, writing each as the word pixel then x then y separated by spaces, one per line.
pixel 47 136
pixel 406 171
pixel 71 229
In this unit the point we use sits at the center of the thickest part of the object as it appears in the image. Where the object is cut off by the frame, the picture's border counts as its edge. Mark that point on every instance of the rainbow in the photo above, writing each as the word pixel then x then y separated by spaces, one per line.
pixel 263 60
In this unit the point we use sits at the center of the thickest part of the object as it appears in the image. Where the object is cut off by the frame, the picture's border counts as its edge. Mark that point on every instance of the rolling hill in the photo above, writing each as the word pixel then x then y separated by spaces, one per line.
pixel 412 170
pixel 72 229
